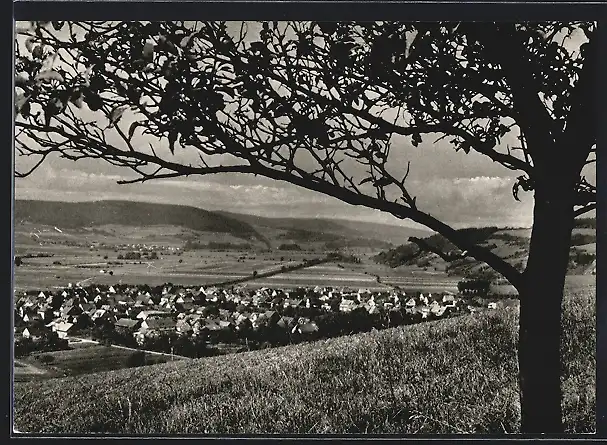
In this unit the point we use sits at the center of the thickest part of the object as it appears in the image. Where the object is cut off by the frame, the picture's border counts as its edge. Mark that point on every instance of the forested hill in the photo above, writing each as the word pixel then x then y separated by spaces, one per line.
pixel 89 214
pixel 512 244
pixel 272 232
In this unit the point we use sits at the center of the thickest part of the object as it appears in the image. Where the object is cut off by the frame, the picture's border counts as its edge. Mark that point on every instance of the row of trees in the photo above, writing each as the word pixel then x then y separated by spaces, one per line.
pixel 137 256
pixel 49 342
pixel 169 342
pixel 474 287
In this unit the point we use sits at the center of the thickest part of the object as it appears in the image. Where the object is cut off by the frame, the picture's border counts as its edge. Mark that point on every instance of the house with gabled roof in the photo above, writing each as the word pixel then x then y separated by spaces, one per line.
pixel 270 318
pixel 35 332
pixel 448 298
pixel 71 311
pixel 286 322
pixel 307 328
pixel 153 313
pixel 31 316
pixel 347 305
pixel 45 312
pixel 186 298
pixel 127 325
pixel 100 314
pixel 63 329
pixel 159 324
pixel 185 307
pixel 144 300
pixel 210 324
pixel 86 307
pixel 184 327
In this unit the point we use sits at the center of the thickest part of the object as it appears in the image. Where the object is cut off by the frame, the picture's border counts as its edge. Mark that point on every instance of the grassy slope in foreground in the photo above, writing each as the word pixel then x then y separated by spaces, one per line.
pixel 453 376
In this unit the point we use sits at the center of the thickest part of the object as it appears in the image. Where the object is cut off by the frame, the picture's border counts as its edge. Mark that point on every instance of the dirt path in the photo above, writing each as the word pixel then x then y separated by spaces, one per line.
pixel 151 352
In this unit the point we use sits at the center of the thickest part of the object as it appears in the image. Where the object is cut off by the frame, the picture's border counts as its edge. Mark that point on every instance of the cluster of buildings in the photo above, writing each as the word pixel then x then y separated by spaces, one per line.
pixel 143 311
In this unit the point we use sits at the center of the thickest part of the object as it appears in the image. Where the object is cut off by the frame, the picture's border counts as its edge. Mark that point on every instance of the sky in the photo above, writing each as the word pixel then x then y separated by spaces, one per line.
pixel 462 190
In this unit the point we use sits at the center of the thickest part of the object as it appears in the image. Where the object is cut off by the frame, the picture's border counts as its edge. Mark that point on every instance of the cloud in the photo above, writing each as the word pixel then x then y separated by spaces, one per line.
pixel 460 201
pixel 477 200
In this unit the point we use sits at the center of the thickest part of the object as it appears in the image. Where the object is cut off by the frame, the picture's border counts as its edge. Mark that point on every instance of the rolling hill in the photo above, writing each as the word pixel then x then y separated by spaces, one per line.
pixel 270 232
pixel 74 215
pixel 512 244
pixel 309 229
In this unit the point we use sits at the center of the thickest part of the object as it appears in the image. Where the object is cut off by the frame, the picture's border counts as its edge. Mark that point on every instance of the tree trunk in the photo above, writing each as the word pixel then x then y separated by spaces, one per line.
pixel 541 297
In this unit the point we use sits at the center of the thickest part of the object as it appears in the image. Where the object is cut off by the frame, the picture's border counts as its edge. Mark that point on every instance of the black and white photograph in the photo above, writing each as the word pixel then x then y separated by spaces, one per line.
pixel 270 228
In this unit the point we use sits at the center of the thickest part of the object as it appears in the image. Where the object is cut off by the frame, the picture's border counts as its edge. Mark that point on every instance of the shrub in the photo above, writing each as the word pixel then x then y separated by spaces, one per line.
pixel 136 359
pixel 46 359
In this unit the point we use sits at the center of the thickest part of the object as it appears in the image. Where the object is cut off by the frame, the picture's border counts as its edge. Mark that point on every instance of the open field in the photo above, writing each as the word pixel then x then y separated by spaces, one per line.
pixel 456 375
pixel 62 264
pixel 87 359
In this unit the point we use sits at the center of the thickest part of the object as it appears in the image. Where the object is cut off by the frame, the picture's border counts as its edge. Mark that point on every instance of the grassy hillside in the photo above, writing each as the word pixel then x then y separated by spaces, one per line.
pixel 453 376
pixel 510 244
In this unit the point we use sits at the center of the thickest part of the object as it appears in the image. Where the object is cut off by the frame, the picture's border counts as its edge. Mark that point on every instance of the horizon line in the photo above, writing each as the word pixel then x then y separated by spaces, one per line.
pixel 423 228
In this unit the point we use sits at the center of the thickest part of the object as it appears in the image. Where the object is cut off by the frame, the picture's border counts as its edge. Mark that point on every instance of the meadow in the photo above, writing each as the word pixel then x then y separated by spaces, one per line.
pixel 87 359
pixel 456 375
pixel 63 264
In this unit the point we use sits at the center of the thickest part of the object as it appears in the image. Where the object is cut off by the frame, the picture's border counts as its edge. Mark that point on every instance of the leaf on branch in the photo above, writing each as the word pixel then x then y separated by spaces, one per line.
pixel 148 51
pixel 29 44
pixel 382 182
pixel 186 40
pixel 87 76
pixel 93 100
pixel 20 80
pixel 38 52
pixel 521 182
pixel 77 98
pixel 132 129
pixel 464 146
pixel 20 102
pixel 116 114
pixel 48 76
pixel 172 139
pixel 149 67
pixel 52 108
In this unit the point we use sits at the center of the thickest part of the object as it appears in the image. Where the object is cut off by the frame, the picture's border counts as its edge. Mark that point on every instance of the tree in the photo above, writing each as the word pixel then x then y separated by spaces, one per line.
pixel 136 359
pixel 321 106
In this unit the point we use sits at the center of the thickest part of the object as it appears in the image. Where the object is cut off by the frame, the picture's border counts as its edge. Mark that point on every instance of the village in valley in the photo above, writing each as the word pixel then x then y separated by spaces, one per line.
pixel 194 322
pixel 114 296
